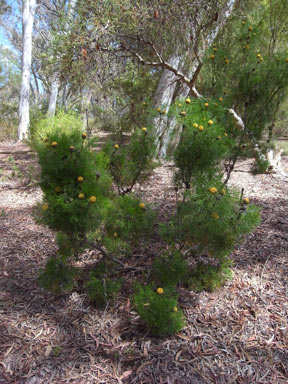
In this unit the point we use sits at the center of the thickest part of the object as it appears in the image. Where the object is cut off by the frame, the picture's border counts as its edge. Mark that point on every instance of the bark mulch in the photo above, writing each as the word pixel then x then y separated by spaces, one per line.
pixel 238 334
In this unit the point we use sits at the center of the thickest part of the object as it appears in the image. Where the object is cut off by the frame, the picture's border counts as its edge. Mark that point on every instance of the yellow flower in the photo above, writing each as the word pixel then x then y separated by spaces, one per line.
pixel 286 60
pixel 54 144
pixel 220 99
pixel 223 192
pixel 243 22
pixel 206 105
pixel 142 205
pixel 218 138
pixel 80 179
pixel 215 49
pixel 215 215
pixel 180 105
pixel 226 61
pixel 183 113
pixel 144 129
pixel 160 291
pixel 116 146
pixel 81 196
pixel 45 207
pixel 213 190
pixel 158 109
pixel 144 103
pixel 259 55
pixel 84 135
pixel 188 100
pixel 212 57
pixel 92 199
pixel 163 112
pixel 225 134
pixel 71 148
pixel 200 128
pixel 246 200
pixel 210 122
pixel 175 309
pixel 57 189
pixel 250 29
pixel 195 125
pixel 115 234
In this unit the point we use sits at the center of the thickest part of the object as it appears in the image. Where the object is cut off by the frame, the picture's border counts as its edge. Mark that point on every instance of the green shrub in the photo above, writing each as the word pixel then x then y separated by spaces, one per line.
pixel 209 277
pixel 206 139
pixel 127 220
pixel 159 311
pixel 211 220
pixel 170 268
pixel 41 127
pixel 131 163
pixel 102 290
pixel 68 207
pixel 58 276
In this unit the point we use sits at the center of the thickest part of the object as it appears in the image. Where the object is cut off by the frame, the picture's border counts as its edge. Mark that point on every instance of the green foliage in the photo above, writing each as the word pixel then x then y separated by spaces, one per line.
pixel 260 165
pixel 170 268
pixel 42 127
pixel 158 311
pixel 212 223
pixel 249 68
pixel 208 136
pixel 209 277
pixel 132 162
pixel 58 276
pixel 102 290
pixel 68 207
pixel 126 221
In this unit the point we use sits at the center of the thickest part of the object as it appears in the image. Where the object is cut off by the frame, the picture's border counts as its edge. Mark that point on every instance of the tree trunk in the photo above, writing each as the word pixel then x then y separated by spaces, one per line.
pixel 163 98
pixel 55 83
pixel 28 12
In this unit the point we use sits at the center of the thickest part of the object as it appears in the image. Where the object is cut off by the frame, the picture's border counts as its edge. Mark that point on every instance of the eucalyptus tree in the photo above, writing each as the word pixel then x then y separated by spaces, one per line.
pixel 28 12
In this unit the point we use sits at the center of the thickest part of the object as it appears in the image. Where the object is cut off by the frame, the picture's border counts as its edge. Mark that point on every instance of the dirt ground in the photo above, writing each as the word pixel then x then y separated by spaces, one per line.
pixel 238 334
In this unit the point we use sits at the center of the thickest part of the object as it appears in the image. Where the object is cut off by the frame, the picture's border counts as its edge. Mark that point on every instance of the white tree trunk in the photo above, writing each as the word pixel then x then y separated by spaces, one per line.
pixel 163 98
pixel 28 12
pixel 55 83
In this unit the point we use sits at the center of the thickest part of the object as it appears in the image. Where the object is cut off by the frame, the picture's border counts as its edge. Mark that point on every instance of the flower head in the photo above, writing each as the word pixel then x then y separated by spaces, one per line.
pixel 92 199
pixel 213 190
pixel 160 291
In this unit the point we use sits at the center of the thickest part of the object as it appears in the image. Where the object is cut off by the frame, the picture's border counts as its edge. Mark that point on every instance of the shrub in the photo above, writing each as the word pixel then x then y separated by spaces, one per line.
pixel 58 276
pixel 206 139
pixel 159 311
pixel 131 163
pixel 127 220
pixel 209 277
pixel 102 290
pixel 78 198
pixel 170 268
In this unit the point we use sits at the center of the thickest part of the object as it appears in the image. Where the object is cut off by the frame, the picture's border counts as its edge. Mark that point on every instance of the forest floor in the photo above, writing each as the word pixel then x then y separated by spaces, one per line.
pixel 237 334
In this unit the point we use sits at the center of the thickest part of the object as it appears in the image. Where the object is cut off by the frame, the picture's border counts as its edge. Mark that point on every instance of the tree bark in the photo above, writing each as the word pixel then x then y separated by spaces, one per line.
pixel 28 12
pixel 163 98
pixel 55 83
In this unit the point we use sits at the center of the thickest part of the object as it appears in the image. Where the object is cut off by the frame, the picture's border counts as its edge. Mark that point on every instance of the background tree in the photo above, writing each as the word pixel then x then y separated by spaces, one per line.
pixel 28 11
